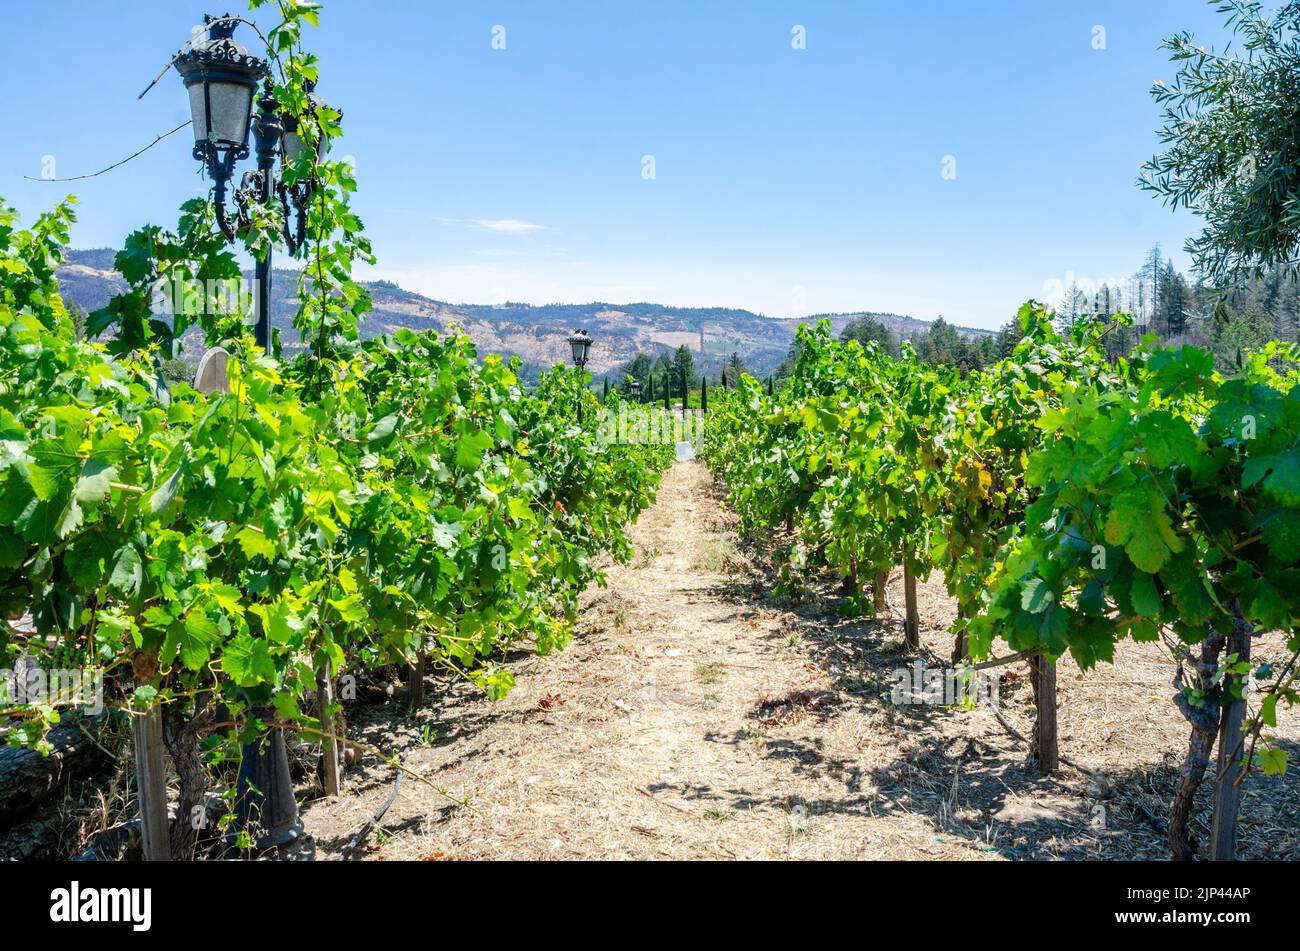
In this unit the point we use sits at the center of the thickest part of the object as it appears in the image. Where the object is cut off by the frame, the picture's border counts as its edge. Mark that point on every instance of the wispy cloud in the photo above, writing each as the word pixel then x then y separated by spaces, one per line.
pixel 497 225
pixel 509 225
pixel 518 253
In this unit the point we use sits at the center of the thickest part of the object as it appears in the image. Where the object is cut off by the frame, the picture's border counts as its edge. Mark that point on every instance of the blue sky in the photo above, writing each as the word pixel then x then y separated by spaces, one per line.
pixel 787 181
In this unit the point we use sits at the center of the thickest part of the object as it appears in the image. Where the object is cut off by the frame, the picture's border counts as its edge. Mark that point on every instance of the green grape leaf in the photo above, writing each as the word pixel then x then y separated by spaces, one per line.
pixel 247 660
pixel 279 621
pixel 95 480
pixel 1281 535
pixel 254 543
pixel 127 572
pixel 194 637
pixel 470 450
pixel 1036 596
pixel 1146 599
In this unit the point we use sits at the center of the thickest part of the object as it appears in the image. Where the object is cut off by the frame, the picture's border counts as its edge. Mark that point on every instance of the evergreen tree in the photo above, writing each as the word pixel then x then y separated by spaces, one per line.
pixel 639 368
pixel 1071 307
pixel 1149 278
pixel 663 369
pixel 1007 339
pixel 79 322
pixel 866 329
pixel 1174 301
pixel 732 369
pixel 683 370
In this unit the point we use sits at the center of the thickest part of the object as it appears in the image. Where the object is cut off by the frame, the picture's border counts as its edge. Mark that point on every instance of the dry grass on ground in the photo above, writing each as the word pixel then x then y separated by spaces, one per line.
pixel 697 716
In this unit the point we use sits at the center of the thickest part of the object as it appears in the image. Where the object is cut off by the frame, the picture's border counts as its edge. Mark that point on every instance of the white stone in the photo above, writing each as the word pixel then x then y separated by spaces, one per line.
pixel 211 374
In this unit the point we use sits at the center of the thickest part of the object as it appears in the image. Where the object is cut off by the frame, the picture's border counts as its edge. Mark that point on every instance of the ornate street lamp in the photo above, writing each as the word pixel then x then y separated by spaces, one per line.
pixel 634 387
pixel 222 78
pixel 580 341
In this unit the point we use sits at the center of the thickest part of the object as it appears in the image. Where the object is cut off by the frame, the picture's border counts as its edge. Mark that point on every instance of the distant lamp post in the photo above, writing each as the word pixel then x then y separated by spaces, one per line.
pixel 580 342
pixel 634 387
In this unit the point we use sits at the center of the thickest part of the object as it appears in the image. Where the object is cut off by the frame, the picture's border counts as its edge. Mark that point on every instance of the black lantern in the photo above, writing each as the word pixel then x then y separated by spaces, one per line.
pixel 580 341
pixel 634 387
pixel 221 77
pixel 292 149
pixel 292 144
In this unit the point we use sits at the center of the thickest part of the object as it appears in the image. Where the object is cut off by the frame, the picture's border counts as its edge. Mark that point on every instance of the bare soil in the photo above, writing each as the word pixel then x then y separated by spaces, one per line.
pixel 696 715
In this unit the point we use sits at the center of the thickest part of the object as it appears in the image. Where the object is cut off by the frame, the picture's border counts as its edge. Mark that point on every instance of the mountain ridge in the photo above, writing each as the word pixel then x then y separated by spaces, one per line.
pixel 534 332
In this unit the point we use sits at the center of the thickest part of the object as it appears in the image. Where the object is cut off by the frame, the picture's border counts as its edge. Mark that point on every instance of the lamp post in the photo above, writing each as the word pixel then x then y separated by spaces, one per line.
pixel 634 388
pixel 222 79
pixel 580 342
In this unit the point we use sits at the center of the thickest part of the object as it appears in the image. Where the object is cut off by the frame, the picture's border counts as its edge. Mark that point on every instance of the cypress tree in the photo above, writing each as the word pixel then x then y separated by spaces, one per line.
pixel 704 394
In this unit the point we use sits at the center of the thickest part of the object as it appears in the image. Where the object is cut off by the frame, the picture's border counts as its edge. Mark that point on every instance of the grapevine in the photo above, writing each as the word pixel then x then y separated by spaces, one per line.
pixel 357 505
pixel 1069 501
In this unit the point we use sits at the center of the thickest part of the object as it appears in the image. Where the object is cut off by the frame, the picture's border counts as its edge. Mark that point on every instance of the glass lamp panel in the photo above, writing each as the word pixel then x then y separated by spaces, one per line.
pixel 293 146
pixel 230 106
pixel 198 112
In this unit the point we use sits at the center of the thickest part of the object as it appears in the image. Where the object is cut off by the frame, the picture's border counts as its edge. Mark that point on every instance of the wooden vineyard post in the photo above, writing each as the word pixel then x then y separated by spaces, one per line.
pixel 878 592
pixel 415 683
pixel 330 772
pixel 912 618
pixel 1227 788
pixel 959 649
pixel 1046 752
pixel 151 784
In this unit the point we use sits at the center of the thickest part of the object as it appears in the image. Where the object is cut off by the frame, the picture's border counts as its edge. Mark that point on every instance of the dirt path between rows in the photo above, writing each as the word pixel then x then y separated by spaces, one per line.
pixel 698 716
